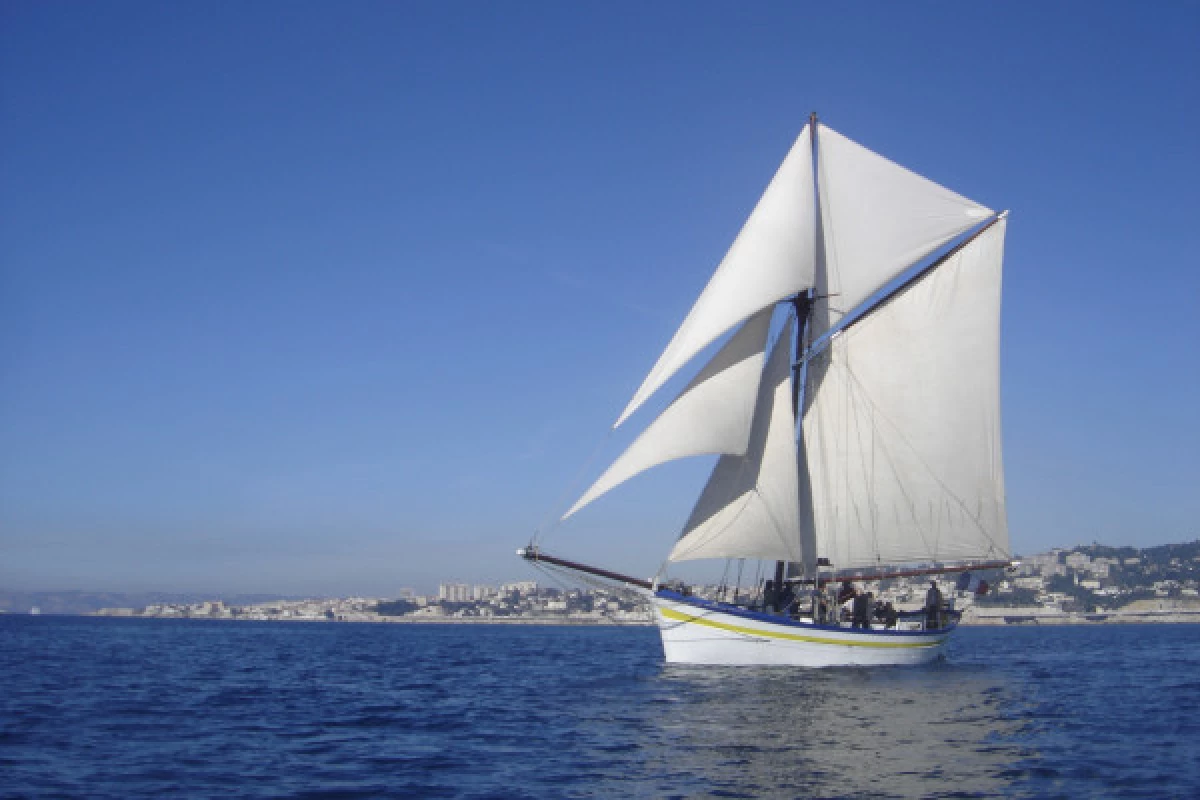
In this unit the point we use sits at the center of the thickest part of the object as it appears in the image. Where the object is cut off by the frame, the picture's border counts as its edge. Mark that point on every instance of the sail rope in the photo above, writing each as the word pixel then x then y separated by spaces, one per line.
pixel 560 575
pixel 553 519
pixel 563 577
pixel 723 586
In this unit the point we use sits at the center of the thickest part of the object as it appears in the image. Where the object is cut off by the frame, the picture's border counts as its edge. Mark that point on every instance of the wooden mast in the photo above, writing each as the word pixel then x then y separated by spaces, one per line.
pixel 802 303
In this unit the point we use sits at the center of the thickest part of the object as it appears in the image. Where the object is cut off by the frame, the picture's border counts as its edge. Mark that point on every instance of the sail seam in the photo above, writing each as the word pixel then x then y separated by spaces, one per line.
pixel 891 463
pixel 937 478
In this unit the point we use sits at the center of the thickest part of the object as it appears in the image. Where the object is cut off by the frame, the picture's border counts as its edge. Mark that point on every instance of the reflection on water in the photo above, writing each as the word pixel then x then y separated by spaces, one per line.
pixel 853 732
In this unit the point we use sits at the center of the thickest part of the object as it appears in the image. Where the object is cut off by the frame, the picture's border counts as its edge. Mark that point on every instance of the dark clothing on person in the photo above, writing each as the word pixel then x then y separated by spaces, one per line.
pixel 846 592
pixel 769 595
pixel 933 607
pixel 859 610
pixel 785 599
pixel 890 616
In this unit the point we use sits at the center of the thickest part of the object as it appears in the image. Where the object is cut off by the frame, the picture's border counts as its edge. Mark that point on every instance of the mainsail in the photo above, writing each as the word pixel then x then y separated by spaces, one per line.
pixel 771 259
pixel 902 437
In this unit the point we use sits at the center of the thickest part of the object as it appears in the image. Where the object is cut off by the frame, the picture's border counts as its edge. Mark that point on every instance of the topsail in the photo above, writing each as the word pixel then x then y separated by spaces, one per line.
pixel 877 220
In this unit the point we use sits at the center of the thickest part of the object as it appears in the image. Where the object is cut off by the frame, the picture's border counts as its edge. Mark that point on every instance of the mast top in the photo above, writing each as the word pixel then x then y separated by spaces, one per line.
pixel 812 119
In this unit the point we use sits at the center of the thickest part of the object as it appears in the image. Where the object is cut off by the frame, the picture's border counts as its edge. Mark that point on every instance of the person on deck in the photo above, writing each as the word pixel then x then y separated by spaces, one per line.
pixel 820 606
pixel 889 615
pixel 877 611
pixel 933 606
pixel 860 610
pixel 769 596
pixel 785 599
pixel 846 592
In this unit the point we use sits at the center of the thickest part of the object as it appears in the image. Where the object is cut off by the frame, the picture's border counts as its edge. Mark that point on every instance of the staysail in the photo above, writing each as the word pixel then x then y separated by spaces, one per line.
pixel 771 259
pixel 711 415
pixel 902 437
pixel 749 507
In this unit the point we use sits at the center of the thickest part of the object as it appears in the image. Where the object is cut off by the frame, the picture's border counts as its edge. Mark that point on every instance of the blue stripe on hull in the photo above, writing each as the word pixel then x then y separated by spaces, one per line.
pixel 777 619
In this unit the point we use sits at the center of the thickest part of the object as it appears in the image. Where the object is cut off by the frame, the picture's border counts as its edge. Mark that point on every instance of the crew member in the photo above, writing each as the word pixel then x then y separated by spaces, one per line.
pixel 783 602
pixel 846 592
pixel 859 611
pixel 933 606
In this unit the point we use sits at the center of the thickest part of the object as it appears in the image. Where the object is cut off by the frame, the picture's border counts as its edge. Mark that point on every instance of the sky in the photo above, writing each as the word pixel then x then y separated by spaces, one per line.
pixel 339 298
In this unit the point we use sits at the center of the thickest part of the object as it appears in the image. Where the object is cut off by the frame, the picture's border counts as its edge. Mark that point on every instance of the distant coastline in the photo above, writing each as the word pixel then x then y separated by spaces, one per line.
pixel 973 618
pixel 997 617
pixel 1084 585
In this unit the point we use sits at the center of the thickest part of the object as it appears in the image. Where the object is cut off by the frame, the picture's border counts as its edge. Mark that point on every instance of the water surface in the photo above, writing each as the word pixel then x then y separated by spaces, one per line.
pixel 113 708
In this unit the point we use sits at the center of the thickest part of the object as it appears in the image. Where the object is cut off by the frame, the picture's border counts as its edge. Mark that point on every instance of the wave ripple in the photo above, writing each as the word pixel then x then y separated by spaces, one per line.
pixel 112 708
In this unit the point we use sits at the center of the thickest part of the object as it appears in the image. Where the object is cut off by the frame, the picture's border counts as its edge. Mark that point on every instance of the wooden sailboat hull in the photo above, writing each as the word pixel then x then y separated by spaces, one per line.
pixel 699 632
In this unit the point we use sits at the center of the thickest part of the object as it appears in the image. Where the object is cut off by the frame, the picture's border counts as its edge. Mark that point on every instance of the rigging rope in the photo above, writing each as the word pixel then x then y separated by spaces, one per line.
pixel 553 521
pixel 555 574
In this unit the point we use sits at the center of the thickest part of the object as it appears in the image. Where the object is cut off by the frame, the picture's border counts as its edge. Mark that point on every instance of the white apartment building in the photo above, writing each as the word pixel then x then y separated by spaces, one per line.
pixel 454 592
pixel 1078 561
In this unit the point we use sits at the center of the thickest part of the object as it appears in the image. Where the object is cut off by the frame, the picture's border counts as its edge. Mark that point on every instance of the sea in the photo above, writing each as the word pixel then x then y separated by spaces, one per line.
pixel 123 708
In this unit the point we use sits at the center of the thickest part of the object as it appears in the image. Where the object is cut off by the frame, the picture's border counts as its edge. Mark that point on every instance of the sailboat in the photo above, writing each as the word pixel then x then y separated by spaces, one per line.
pixel 860 442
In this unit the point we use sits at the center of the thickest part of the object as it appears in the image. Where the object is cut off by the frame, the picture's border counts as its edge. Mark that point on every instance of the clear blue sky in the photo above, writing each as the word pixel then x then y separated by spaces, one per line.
pixel 341 297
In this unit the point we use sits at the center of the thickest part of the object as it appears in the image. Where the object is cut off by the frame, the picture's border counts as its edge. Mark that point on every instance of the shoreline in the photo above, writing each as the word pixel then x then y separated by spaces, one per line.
pixel 1017 619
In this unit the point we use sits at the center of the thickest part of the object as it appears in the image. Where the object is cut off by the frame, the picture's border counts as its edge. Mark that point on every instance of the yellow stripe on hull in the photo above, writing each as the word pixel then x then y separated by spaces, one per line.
pixel 678 616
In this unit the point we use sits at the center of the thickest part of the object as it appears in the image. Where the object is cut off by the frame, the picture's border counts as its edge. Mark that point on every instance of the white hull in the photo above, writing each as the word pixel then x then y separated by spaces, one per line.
pixel 701 634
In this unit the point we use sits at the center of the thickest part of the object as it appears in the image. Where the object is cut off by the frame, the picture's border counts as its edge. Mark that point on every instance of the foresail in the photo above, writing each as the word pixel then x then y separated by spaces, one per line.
pixel 749 508
pixel 772 258
pixel 712 415
pixel 877 219
pixel 902 436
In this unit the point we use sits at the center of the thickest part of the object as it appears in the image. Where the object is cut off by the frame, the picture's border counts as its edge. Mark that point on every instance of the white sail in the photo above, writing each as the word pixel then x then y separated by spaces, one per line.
pixel 750 506
pixel 878 219
pixel 772 258
pixel 903 435
pixel 712 415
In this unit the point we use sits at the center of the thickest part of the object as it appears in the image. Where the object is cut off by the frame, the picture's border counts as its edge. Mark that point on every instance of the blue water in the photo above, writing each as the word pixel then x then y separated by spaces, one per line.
pixel 110 708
